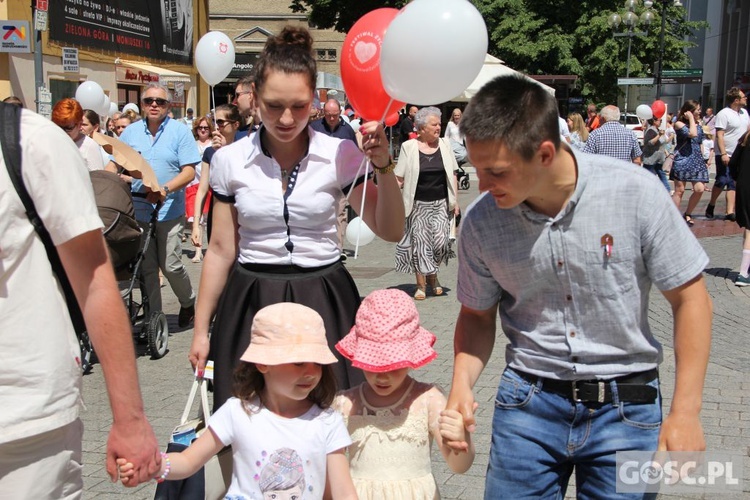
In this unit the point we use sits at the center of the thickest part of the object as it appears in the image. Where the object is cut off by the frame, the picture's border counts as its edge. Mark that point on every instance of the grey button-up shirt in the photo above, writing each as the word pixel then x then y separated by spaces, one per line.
pixel 570 310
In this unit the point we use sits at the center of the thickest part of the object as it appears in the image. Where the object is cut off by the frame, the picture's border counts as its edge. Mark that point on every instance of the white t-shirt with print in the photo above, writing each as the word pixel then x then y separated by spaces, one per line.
pixel 40 381
pixel 273 454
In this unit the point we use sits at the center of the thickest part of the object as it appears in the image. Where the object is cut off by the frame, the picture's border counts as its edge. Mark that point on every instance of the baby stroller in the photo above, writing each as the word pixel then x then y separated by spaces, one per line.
pixel 123 236
pixel 462 177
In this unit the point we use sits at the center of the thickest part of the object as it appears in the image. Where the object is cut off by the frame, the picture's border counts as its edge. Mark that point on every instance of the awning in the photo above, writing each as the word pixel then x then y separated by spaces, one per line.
pixel 165 75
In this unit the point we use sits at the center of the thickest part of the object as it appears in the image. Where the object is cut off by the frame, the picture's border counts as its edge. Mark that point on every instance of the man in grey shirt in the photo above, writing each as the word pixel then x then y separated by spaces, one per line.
pixel 568 263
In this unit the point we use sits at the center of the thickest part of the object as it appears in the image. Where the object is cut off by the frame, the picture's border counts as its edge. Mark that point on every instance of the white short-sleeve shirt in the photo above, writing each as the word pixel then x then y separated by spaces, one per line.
pixel 242 174
pixel 40 380
pixel 274 454
pixel 734 124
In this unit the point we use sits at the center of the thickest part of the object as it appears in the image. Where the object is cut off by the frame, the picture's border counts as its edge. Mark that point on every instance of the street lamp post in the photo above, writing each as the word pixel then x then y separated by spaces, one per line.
pixel 631 19
pixel 664 4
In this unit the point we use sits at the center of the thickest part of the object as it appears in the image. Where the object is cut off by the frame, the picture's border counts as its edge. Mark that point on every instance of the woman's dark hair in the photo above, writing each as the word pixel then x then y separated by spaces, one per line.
pixel 290 52
pixel 689 105
pixel 233 113
pixel 92 117
pixel 249 382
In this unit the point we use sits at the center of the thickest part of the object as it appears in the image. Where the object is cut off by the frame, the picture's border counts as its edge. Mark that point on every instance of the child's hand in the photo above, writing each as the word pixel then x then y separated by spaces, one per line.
pixel 453 431
pixel 126 471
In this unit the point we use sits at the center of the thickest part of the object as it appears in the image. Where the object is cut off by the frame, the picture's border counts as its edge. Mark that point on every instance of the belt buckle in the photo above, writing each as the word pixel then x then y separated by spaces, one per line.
pixel 602 391
pixel 574 391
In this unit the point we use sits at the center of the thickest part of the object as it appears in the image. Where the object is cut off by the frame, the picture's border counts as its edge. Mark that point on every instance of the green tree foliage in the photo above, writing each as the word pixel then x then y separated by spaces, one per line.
pixel 553 37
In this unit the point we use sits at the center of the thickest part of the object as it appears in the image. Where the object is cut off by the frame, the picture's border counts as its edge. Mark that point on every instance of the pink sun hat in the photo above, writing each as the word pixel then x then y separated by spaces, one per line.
pixel 386 335
pixel 288 333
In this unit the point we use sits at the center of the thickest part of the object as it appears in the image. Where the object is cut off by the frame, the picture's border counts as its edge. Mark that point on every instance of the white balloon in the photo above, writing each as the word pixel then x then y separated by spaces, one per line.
pixel 104 108
pixel 112 108
pixel 90 95
pixel 432 51
pixel 214 57
pixel 644 112
pixel 358 226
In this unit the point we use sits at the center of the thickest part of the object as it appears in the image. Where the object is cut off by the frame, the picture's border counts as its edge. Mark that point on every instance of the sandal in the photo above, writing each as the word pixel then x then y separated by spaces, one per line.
pixel 688 220
pixel 420 293
pixel 434 284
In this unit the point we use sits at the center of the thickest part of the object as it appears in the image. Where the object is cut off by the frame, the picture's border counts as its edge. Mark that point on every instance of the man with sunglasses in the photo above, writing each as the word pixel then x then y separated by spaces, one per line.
pixel 245 102
pixel 169 147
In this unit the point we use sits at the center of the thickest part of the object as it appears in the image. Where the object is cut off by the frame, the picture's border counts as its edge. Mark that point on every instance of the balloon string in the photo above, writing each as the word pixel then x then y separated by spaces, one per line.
pixel 213 107
pixel 385 113
pixel 364 191
pixel 361 210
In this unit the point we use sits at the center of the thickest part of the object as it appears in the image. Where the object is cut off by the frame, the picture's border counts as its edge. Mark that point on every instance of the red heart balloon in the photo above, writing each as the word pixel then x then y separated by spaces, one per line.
pixel 360 66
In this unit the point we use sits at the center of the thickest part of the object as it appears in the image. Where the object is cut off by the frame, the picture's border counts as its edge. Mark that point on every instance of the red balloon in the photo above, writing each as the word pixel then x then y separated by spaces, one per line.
pixel 391 120
pixel 658 108
pixel 360 66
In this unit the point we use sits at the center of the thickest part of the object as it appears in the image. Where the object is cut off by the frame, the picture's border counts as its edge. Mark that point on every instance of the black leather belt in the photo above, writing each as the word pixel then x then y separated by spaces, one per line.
pixel 630 388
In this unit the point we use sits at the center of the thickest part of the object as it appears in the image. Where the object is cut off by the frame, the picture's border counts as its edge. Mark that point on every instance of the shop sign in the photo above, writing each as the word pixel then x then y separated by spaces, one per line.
pixel 15 37
pixel 123 74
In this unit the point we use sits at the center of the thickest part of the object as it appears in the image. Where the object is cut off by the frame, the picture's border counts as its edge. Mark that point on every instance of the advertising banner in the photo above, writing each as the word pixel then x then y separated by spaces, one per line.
pixel 160 29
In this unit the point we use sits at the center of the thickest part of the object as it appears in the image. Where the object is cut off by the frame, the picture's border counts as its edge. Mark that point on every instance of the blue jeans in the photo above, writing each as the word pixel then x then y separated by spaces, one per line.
pixel 658 170
pixel 539 437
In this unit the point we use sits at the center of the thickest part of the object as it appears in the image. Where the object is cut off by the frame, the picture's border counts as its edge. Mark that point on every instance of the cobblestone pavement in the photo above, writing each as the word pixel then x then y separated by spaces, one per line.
pixel 726 410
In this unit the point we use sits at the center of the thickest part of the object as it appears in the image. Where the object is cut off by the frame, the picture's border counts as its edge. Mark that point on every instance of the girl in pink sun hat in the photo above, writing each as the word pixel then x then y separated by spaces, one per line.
pixel 286 440
pixel 392 418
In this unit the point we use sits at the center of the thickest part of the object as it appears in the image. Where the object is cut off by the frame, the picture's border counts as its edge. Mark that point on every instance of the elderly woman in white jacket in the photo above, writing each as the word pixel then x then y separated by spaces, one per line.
pixel 426 172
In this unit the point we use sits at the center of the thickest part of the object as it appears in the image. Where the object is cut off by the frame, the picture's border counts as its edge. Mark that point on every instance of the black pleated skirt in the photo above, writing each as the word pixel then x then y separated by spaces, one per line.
pixel 329 290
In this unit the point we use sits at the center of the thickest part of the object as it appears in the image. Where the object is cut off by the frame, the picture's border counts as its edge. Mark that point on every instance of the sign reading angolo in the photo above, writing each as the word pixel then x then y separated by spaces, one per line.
pixel 156 29
pixel 16 36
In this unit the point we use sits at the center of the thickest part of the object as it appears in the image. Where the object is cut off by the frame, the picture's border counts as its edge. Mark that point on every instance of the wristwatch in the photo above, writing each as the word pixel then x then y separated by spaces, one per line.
pixel 166 190
pixel 385 170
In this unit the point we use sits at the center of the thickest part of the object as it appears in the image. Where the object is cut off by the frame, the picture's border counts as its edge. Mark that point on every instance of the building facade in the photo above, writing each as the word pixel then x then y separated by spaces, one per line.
pixel 123 45
pixel 249 24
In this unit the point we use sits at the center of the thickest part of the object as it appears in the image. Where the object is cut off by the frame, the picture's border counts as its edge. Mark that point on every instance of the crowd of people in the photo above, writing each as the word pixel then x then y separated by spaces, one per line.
pixel 312 385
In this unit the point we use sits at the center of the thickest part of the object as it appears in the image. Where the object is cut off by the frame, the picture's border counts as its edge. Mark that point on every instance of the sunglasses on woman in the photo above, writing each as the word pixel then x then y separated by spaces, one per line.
pixel 70 128
pixel 221 123
pixel 148 101
pixel 203 127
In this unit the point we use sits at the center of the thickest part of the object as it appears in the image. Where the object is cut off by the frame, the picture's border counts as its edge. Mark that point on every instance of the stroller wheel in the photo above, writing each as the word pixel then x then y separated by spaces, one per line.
pixel 464 183
pixel 87 352
pixel 157 332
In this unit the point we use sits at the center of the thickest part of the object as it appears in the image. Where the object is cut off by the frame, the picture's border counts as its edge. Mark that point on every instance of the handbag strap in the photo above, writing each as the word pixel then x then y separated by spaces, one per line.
pixel 197 383
pixel 11 147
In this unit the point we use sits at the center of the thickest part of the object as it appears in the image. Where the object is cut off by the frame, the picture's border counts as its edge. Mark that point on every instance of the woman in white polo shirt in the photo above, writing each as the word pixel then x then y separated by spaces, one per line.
pixel 274 235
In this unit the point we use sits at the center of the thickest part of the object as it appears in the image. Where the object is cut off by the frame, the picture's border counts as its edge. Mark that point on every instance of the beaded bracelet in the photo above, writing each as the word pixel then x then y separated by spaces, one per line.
pixel 167 467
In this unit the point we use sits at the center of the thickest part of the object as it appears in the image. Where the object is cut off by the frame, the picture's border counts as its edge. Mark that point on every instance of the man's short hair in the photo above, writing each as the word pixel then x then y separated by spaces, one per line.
pixel 610 113
pixel 246 81
pixel 733 94
pixel 514 110
pixel 189 110
pixel 154 85
pixel 334 101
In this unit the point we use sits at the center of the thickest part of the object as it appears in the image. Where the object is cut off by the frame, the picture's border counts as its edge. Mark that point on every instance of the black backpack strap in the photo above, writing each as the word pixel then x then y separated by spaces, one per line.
pixel 10 138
